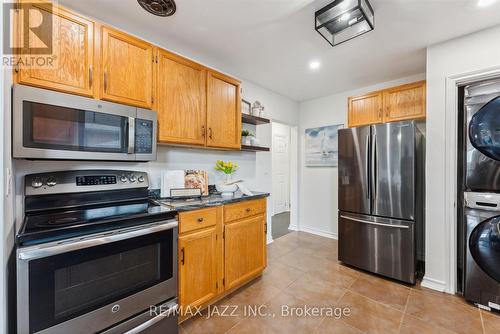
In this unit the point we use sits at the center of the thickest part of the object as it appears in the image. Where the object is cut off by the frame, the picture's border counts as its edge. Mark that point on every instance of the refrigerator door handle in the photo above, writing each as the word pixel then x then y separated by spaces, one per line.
pixel 373 223
pixel 374 166
pixel 367 166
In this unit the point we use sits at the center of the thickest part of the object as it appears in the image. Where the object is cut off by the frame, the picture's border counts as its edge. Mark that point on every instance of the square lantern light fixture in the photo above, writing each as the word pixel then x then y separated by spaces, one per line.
pixel 343 20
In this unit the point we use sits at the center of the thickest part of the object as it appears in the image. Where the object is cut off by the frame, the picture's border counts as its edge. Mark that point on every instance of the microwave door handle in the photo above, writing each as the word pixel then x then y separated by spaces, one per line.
pixel 131 135
pixel 151 322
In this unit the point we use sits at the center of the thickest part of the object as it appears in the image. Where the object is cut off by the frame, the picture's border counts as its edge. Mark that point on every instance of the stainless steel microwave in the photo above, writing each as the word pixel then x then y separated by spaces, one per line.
pixel 53 125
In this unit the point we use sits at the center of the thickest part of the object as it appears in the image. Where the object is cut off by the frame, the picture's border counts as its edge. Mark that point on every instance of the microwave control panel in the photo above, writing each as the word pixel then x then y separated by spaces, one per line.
pixel 143 136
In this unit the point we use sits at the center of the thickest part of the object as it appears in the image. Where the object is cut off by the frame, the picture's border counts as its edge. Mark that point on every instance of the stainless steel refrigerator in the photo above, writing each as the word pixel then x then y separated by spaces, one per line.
pixel 381 178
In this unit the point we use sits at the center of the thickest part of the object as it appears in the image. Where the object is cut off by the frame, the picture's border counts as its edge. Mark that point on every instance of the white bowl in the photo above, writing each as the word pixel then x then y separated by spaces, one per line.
pixel 226 190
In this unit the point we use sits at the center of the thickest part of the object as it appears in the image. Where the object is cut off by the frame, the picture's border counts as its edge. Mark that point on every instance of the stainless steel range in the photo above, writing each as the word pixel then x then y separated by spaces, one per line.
pixel 94 255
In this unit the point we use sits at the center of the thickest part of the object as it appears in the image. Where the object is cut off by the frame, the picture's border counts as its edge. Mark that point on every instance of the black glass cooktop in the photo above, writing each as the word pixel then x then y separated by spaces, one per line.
pixel 63 224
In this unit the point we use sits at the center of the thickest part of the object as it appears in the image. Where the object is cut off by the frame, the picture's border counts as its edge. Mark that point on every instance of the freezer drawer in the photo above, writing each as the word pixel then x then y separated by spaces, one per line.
pixel 379 245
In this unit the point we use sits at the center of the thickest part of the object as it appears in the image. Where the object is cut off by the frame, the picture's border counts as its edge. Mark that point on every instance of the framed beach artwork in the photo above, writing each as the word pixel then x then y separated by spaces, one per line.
pixel 322 146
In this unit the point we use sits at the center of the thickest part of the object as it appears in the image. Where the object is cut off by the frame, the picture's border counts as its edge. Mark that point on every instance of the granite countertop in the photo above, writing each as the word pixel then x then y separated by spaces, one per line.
pixel 207 201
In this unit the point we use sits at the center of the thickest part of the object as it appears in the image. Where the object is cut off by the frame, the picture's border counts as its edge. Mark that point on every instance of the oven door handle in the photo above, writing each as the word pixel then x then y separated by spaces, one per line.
pixel 41 251
pixel 151 322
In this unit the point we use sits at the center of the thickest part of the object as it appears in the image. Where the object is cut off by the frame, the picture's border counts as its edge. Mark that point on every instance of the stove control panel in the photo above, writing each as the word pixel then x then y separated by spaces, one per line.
pixel 85 180
pixel 95 180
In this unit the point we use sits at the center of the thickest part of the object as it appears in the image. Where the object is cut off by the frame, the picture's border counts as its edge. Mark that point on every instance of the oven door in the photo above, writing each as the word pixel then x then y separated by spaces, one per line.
pixel 88 285
pixel 52 125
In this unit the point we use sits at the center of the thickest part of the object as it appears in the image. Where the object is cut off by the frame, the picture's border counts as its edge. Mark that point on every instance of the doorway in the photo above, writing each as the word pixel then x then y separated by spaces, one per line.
pixel 281 176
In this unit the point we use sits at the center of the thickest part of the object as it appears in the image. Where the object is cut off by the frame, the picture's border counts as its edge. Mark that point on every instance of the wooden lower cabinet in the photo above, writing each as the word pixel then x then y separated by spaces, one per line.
pixel 244 250
pixel 198 267
pixel 215 259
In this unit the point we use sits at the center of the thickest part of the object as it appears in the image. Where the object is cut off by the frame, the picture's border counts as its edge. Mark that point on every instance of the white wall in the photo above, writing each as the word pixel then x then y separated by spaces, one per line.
pixel 465 55
pixel 319 186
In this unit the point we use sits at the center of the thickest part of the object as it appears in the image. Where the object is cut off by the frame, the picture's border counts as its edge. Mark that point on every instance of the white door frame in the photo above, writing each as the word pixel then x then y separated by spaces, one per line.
pixel 289 167
pixel 451 118
pixel 294 175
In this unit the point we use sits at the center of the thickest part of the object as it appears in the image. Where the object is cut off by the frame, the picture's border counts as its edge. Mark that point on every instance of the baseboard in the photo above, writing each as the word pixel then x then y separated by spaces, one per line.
pixel 434 284
pixel 293 227
pixel 316 231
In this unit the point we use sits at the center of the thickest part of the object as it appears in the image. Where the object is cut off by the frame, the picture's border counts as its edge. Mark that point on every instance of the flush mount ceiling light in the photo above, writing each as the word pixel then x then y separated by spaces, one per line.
pixel 314 65
pixel 159 7
pixel 343 20
pixel 485 3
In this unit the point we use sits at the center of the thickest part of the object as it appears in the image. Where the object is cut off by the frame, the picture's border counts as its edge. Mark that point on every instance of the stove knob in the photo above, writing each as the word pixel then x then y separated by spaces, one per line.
pixel 123 178
pixel 132 178
pixel 141 179
pixel 51 182
pixel 36 183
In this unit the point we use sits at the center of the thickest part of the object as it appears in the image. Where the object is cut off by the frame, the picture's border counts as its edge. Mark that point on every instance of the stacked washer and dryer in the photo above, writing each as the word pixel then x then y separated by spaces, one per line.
pixel 481 195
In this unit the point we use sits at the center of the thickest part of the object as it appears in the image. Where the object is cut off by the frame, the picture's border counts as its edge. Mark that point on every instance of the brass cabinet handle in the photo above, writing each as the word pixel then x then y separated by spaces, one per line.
pixel 210 133
pixel 90 77
pixel 203 131
pixel 265 228
pixel 182 255
pixel 105 81
pixel 248 209
pixel 200 220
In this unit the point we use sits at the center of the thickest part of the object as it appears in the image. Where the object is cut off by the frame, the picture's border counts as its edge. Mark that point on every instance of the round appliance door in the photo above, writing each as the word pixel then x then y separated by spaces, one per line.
pixel 484 129
pixel 484 245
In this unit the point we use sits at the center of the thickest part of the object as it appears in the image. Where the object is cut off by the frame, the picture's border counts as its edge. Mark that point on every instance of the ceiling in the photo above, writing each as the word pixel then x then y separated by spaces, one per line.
pixel 272 42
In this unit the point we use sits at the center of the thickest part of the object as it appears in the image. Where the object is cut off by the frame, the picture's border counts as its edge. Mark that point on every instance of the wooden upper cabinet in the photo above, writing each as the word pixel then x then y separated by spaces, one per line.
pixel 366 109
pixel 72 66
pixel 393 104
pixel 126 69
pixel 405 102
pixel 198 267
pixel 244 250
pixel 181 100
pixel 223 111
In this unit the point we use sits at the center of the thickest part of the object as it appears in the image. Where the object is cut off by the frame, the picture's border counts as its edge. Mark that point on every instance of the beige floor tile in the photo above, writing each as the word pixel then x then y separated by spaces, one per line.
pixel 445 311
pixel 336 274
pixel 259 292
pixel 220 321
pixel 289 322
pixel 491 322
pixel 252 326
pixel 370 316
pixel 316 292
pixel 384 291
pixel 281 276
pixel 413 325
pixel 335 326
pixel 303 261
pixel 275 250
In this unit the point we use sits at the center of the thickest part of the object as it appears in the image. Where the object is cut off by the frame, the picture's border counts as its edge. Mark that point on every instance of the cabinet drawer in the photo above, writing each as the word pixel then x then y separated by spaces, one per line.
pixel 195 220
pixel 244 209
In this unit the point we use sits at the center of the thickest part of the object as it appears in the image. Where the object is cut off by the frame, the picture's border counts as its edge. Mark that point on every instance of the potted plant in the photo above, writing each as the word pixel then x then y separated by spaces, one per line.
pixel 226 187
pixel 246 137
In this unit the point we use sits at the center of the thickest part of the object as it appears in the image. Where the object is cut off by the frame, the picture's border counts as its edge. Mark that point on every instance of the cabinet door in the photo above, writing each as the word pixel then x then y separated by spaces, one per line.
pixel 224 111
pixel 72 62
pixel 127 69
pixel 197 267
pixel 244 250
pixel 365 110
pixel 405 102
pixel 181 102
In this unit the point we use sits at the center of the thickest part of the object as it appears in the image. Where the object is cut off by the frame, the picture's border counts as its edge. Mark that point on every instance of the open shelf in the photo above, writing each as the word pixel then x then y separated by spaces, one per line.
pixel 255 148
pixel 255 120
